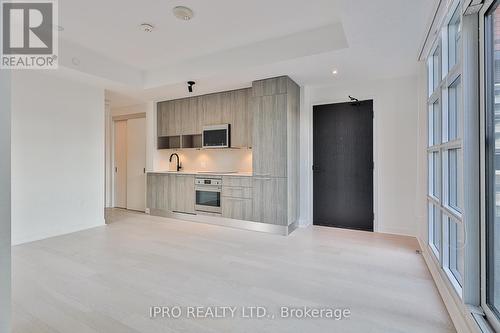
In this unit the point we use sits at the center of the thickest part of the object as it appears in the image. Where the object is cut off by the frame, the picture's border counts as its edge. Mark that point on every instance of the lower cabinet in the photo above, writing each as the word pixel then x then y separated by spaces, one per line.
pixel 237 208
pixel 157 191
pixel 270 200
pixel 182 193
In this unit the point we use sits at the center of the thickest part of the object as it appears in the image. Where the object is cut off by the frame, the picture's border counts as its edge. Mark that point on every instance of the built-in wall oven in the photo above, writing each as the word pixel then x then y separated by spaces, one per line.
pixel 217 136
pixel 208 194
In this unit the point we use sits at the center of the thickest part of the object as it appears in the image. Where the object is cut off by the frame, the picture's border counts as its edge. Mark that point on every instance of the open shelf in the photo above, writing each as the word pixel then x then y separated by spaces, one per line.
pixel 169 142
pixel 191 141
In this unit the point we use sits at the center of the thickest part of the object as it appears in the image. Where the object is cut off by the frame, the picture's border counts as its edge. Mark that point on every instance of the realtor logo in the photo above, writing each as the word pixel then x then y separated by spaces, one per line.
pixel 29 37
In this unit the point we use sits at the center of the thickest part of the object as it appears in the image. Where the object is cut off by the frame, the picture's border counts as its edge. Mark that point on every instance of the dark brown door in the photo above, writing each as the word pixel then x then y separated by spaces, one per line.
pixel 343 165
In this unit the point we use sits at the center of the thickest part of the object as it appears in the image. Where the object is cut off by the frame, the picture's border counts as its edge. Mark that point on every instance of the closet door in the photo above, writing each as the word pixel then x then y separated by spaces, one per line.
pixel 136 164
pixel 120 197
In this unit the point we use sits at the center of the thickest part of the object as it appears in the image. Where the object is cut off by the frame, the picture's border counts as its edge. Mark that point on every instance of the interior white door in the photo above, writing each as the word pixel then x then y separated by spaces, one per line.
pixel 120 199
pixel 136 164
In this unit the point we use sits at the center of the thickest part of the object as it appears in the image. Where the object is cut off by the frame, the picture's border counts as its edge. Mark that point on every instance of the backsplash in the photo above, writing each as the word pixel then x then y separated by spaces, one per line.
pixel 217 160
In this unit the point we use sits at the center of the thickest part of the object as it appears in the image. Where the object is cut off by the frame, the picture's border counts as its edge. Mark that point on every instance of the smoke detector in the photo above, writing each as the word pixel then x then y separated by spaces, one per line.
pixel 183 13
pixel 146 27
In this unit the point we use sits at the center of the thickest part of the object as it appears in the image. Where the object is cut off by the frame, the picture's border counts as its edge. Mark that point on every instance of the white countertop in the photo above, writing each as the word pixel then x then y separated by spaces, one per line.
pixel 204 173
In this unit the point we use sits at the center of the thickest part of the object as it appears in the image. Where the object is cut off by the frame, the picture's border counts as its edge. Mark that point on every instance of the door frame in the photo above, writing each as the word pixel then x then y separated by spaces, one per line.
pixel 112 147
pixel 374 175
pixel 309 128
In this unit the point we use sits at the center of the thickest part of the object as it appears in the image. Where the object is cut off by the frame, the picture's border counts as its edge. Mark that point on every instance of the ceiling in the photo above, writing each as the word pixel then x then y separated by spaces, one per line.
pixel 230 43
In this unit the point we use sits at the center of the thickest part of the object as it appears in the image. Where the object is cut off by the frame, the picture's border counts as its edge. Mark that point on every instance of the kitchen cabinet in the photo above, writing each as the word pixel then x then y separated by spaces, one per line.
pixel 187 116
pixel 191 116
pixel 275 150
pixel 236 181
pixel 237 192
pixel 273 86
pixel 241 118
pixel 157 191
pixel 181 189
pixel 169 118
pixel 270 136
pixel 237 208
pixel 270 200
pixel 212 109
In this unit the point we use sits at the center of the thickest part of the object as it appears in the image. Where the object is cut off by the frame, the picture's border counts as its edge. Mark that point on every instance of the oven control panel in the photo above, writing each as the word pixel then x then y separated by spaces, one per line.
pixel 208 181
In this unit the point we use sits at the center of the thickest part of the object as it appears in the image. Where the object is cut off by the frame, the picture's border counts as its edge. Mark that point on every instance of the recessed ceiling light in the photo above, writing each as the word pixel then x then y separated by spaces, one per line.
pixel 146 27
pixel 183 13
pixel 335 72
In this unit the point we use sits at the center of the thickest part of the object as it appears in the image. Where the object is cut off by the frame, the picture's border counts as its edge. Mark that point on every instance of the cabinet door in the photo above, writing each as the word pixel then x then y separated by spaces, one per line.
pixel 174 200
pixel 273 86
pixel 270 136
pixel 196 109
pixel 157 191
pixel 189 116
pixel 151 190
pixel 162 118
pixel 212 109
pixel 240 120
pixel 270 200
pixel 237 208
pixel 182 193
pixel 174 111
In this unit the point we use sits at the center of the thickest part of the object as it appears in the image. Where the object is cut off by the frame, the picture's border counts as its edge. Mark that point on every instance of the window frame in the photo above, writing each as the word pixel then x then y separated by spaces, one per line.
pixel 439 92
pixel 486 102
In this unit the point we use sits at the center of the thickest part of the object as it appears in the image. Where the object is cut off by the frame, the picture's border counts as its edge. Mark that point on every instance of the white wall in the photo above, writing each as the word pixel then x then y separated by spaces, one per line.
pixel 5 171
pixel 395 152
pixel 57 156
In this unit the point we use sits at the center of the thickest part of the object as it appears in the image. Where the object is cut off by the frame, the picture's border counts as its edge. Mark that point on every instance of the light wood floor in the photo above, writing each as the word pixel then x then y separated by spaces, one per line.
pixel 105 279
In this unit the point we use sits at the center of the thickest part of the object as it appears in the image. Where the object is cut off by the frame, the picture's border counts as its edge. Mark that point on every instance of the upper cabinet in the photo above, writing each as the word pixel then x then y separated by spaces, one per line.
pixel 187 116
pixel 273 86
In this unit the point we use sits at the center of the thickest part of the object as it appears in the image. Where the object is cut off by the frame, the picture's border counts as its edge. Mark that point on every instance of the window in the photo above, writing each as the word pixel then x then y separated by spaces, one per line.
pixel 454 190
pixel 445 152
pixel 454 114
pixel 493 160
pixel 454 38
pixel 456 250
pixel 435 229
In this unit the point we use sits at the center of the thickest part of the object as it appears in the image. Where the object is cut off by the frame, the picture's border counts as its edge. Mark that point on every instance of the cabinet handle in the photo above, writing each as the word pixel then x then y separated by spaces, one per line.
pixel 263 178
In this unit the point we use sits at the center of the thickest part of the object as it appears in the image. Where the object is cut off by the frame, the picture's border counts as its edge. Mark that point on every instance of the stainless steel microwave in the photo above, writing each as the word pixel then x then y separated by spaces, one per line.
pixel 216 136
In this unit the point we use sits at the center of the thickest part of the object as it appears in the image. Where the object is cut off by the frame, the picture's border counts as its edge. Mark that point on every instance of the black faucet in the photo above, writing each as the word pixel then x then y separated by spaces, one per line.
pixel 178 161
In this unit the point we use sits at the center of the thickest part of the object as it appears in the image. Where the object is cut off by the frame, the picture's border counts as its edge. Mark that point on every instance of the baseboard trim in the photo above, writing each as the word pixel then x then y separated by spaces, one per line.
pixel 30 239
pixel 226 222
pixel 459 313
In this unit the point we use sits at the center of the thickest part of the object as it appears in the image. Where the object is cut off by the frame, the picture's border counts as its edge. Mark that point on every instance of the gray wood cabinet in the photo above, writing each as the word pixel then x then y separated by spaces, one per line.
pixel 212 109
pixel 237 208
pixel 273 86
pixel 157 191
pixel 169 118
pixel 264 117
pixel 181 191
pixel 241 118
pixel 236 181
pixel 270 136
pixel 275 104
pixel 187 116
pixel 270 200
